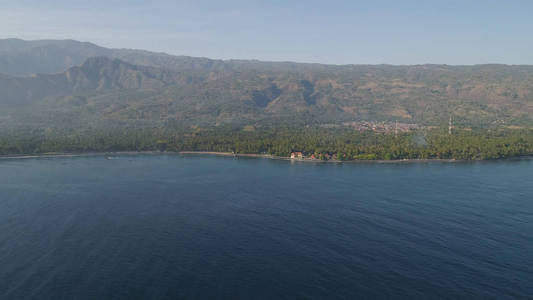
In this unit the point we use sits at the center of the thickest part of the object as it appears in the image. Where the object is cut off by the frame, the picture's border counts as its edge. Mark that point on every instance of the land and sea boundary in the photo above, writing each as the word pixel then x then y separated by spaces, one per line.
pixel 112 155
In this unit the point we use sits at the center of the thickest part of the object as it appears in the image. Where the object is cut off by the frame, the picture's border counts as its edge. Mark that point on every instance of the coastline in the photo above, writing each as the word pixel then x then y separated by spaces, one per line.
pixel 58 155
pixel 268 156
pixel 229 154
pixel 226 154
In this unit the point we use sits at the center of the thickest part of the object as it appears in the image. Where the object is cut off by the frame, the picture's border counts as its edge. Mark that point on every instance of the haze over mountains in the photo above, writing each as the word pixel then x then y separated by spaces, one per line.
pixel 62 83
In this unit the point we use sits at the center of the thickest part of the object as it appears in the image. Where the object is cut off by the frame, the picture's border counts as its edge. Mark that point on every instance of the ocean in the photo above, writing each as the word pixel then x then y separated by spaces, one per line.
pixel 203 227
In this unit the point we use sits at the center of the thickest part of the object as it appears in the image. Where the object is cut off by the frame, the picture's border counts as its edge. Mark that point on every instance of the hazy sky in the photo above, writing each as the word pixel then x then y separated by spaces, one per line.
pixel 327 31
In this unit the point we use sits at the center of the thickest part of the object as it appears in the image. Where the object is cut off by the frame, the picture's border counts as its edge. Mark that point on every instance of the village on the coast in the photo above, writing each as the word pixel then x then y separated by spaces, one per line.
pixel 317 156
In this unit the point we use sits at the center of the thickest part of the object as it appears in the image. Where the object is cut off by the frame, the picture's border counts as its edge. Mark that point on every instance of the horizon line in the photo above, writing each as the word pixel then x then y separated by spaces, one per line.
pixel 265 61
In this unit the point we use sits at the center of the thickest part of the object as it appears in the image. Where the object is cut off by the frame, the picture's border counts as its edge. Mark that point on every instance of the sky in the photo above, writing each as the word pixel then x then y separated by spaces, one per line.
pixel 329 31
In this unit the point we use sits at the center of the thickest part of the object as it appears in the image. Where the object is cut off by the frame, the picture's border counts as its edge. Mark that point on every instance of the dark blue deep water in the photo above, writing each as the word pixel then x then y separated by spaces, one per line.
pixel 191 227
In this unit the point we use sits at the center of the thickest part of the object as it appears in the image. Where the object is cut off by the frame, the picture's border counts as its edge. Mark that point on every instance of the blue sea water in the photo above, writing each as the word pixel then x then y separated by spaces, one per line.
pixel 191 227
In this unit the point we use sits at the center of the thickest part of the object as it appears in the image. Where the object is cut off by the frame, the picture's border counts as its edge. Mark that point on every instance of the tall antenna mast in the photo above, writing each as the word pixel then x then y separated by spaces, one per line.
pixel 450 126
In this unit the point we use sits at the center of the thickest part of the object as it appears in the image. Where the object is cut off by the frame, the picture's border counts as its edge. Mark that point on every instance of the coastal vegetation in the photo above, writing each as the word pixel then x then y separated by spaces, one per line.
pixel 319 143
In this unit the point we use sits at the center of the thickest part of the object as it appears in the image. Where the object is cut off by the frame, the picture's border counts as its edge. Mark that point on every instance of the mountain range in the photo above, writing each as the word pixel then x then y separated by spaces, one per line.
pixel 66 83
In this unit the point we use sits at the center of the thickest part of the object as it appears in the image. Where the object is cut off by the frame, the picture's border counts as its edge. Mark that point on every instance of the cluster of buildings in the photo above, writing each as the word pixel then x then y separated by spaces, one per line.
pixel 318 156
pixel 297 155
pixel 383 127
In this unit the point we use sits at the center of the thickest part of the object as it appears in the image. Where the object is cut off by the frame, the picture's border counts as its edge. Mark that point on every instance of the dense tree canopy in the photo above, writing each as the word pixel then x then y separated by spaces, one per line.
pixel 341 144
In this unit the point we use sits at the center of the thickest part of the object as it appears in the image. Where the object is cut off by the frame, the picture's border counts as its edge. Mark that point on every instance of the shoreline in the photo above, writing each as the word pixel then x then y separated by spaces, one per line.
pixel 229 154
pixel 269 156
pixel 58 155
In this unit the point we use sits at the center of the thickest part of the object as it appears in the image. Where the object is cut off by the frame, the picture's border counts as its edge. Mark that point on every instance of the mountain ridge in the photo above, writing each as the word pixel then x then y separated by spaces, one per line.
pixel 121 86
pixel 95 74
pixel 161 59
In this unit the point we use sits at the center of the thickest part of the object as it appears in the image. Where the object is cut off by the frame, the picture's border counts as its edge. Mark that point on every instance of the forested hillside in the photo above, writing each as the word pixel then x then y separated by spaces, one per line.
pixel 119 85
pixel 81 87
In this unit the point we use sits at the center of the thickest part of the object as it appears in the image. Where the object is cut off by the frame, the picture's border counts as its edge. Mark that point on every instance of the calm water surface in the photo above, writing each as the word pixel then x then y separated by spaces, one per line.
pixel 171 226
